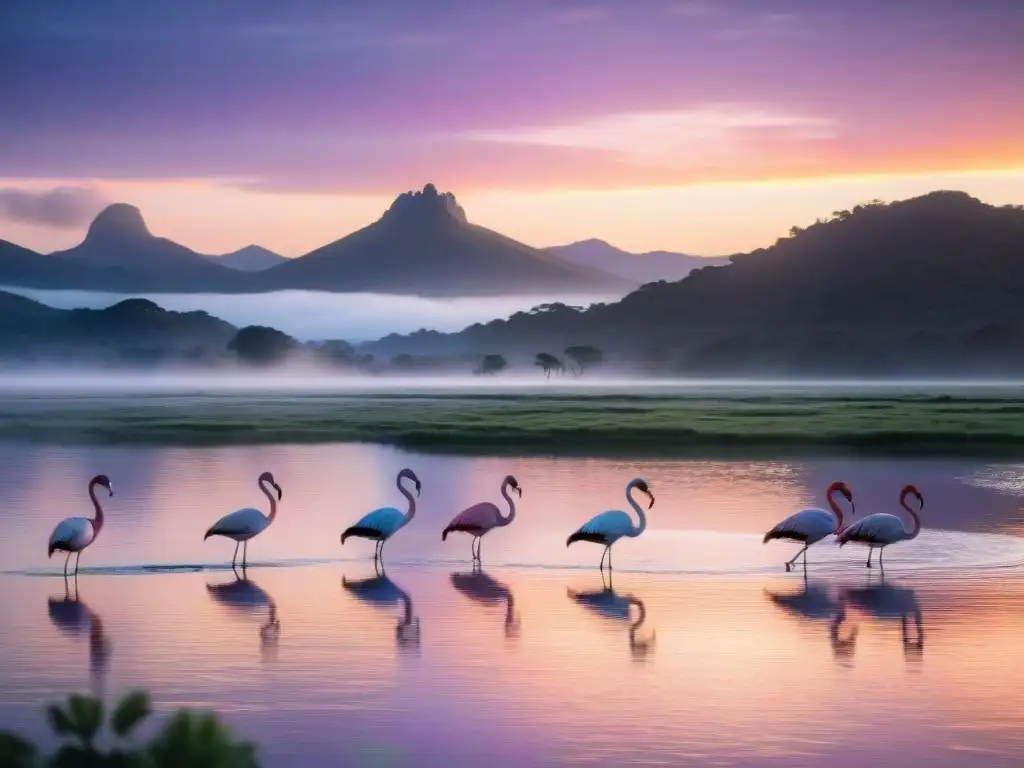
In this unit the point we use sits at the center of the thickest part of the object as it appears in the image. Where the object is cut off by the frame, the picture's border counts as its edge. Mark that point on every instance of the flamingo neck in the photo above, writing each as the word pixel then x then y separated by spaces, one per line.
pixel 834 505
pixel 273 502
pixel 911 534
pixel 511 505
pixel 639 511
pixel 408 494
pixel 97 523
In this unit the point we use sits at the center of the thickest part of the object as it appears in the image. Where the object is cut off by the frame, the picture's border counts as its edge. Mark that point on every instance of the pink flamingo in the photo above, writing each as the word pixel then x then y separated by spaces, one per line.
pixel 483 517
pixel 810 526
pixel 882 529
pixel 73 534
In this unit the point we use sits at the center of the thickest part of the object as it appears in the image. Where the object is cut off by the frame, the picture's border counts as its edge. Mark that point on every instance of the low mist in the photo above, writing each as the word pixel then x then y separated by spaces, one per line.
pixel 286 380
pixel 315 315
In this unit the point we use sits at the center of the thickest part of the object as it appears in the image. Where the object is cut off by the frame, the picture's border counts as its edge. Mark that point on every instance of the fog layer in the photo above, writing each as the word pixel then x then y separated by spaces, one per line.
pixel 313 315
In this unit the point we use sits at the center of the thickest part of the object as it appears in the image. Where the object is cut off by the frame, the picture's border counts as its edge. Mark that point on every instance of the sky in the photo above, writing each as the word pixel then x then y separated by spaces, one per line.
pixel 704 126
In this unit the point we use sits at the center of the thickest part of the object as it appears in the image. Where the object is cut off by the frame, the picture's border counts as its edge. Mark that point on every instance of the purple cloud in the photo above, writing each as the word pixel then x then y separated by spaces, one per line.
pixel 58 207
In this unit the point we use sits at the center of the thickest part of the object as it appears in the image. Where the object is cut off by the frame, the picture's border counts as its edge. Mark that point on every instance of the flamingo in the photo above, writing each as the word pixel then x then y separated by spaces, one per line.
pixel 481 518
pixel 608 527
pixel 482 588
pixel 73 534
pixel 812 525
pixel 882 529
pixel 242 524
pixel 383 523
pixel 379 590
pixel 612 605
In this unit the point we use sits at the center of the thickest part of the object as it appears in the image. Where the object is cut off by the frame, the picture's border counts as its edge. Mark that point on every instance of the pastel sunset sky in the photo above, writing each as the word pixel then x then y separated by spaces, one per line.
pixel 706 126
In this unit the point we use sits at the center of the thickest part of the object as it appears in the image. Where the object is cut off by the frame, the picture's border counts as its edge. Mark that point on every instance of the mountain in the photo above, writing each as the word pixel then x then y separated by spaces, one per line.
pixel 424 244
pixel 134 330
pixel 640 267
pixel 22 267
pixel 926 286
pixel 119 240
pixel 251 258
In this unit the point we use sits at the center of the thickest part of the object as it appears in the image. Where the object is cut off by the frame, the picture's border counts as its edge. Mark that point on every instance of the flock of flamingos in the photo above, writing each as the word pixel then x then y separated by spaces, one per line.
pixel 807 526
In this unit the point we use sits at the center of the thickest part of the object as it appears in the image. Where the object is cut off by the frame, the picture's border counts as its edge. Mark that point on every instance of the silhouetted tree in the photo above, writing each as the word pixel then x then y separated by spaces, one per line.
pixel 584 357
pixel 549 363
pixel 491 364
pixel 260 345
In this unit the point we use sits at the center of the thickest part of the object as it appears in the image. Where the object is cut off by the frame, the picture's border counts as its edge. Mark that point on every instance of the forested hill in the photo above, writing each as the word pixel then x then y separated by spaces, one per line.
pixel 932 284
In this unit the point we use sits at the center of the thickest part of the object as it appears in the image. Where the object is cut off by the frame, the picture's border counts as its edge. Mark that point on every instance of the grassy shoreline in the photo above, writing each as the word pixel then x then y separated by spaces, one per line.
pixel 509 423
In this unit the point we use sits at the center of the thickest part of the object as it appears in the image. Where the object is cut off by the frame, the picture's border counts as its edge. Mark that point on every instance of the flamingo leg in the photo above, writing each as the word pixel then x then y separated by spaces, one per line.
pixel 881 551
pixel 245 554
pixel 870 551
pixel 380 552
pixel 479 541
pixel 77 558
pixel 234 557
pixel 789 564
pixel 66 561
pixel 600 565
pixel 609 558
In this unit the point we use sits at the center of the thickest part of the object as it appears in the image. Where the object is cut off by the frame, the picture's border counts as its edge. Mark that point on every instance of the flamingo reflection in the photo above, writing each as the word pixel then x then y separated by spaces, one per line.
pixel 886 602
pixel 244 597
pixel 612 605
pixel 482 588
pixel 814 603
pixel 382 592
pixel 73 617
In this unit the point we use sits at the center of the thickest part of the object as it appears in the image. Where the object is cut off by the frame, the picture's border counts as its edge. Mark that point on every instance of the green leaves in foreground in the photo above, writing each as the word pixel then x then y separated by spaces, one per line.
pixel 189 739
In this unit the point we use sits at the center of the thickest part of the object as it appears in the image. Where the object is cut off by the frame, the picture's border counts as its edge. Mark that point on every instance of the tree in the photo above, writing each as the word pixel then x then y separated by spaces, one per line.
pixel 549 363
pixel 491 364
pixel 584 357
pixel 259 345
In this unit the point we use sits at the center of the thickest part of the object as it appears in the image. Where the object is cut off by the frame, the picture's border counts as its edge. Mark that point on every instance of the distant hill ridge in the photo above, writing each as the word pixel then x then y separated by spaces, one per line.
pixel 643 267
pixel 926 285
pixel 423 244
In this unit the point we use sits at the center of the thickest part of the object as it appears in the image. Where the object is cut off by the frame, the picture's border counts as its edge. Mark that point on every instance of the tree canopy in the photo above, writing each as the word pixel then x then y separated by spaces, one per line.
pixel 491 364
pixel 260 345
pixel 584 357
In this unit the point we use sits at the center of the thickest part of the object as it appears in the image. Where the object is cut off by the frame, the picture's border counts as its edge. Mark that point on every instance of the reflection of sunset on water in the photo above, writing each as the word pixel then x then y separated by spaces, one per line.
pixel 707 652
pixel 733 674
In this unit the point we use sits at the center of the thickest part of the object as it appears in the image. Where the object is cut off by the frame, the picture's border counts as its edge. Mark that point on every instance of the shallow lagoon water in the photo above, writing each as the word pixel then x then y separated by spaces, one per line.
pixel 703 651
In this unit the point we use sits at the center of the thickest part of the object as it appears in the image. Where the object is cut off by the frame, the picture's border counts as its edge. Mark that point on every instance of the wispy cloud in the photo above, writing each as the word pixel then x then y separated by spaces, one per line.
pixel 725 135
pixel 58 207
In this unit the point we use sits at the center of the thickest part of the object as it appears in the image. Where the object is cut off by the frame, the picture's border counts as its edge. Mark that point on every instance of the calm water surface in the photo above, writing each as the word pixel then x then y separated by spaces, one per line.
pixel 700 651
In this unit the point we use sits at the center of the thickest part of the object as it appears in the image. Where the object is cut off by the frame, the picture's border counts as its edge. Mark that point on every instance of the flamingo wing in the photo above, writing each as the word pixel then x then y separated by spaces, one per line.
pixel 477 520
pixel 605 528
pixel 880 528
pixel 71 535
pixel 240 525
pixel 808 525
pixel 381 523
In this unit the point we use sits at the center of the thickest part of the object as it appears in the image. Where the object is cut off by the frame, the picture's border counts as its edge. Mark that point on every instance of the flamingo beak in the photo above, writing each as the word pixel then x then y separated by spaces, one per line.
pixel 920 499
pixel 520 490
pixel 418 487
pixel 651 504
pixel 280 493
pixel 110 489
